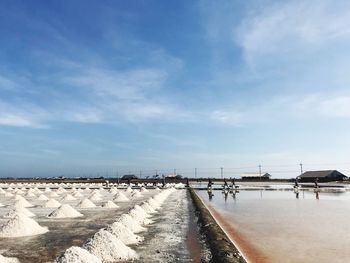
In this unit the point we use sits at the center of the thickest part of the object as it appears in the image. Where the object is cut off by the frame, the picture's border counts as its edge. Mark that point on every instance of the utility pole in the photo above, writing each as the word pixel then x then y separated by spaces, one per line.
pixel 140 174
pixel 222 172
pixel 195 172
pixel 301 168
pixel 175 172
pixel 260 171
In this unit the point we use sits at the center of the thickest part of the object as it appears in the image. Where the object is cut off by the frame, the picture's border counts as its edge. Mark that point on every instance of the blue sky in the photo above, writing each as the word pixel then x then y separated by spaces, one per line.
pixel 100 87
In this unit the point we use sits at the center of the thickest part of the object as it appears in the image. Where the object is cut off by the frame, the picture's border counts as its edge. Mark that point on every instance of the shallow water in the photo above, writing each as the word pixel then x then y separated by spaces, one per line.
pixel 283 228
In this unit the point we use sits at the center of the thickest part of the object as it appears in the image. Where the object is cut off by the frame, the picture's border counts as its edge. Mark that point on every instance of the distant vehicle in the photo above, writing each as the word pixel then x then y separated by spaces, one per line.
pixel 129 177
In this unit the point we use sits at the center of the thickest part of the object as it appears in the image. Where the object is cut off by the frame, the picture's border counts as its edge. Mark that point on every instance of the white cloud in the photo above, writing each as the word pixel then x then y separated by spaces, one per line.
pixel 227 117
pixel 296 27
pixel 22 116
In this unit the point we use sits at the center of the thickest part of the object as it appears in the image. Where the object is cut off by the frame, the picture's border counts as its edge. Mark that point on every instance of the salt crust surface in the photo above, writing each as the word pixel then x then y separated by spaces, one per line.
pixel 77 255
pixel 65 211
pixel 124 234
pixel 21 225
pixel 108 248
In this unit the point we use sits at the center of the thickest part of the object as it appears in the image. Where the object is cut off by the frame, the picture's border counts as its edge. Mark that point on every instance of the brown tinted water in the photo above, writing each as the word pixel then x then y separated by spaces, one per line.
pixel 275 226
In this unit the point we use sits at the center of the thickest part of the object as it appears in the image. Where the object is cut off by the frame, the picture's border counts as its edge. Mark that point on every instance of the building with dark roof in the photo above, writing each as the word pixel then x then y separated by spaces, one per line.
pixel 323 176
pixel 255 176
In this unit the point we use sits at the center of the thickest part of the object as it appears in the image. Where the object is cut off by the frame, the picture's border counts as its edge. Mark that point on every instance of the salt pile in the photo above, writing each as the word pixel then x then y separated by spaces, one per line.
pixel 53 194
pixel 8 194
pixel 51 203
pixel 136 194
pixel 68 197
pixel 77 255
pixel 19 209
pixel 130 223
pixel 2 191
pixel 43 197
pixel 30 194
pixel 65 211
pixel 8 260
pixel 77 194
pixel 143 189
pixel 1 205
pixel 21 225
pixel 22 202
pixel 145 206
pixel 109 248
pixel 128 190
pixel 120 197
pixel 113 191
pixel 124 234
pixel 95 197
pixel 109 204
pixel 86 203
pixel 140 216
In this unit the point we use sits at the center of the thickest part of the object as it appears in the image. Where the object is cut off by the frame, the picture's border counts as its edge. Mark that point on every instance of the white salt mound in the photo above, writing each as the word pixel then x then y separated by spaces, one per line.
pixel 124 234
pixel 145 206
pixel 8 194
pixel 109 248
pixel 22 203
pixel 109 204
pixel 52 203
pixel 20 226
pixel 77 255
pixel 53 194
pixel 120 197
pixel 86 203
pixel 136 194
pixel 140 217
pixel 8 260
pixel 19 209
pixel 95 197
pixel 43 197
pixel 130 223
pixel 68 197
pixel 1 205
pixel 65 211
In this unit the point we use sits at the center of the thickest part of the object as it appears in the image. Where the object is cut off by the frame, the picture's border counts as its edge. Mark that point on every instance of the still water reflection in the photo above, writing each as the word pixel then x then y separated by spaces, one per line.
pixel 289 226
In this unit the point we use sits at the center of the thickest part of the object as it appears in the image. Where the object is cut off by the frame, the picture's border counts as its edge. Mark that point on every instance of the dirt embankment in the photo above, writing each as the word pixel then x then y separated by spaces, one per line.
pixel 222 249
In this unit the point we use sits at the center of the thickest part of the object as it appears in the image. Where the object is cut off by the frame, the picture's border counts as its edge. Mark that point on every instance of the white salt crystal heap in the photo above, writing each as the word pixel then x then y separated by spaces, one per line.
pixel 42 197
pixel 113 191
pixel 21 225
pixel 128 190
pixel 8 260
pixel 143 189
pixel 124 234
pixel 145 206
pixel 136 194
pixel 8 194
pixel 77 194
pixel 77 255
pixel 96 196
pixel 21 201
pixel 53 194
pixel 51 203
pixel 109 204
pixel 65 211
pixel 19 209
pixel 108 248
pixel 30 194
pixel 140 216
pixel 120 197
pixel 2 191
pixel 1 205
pixel 86 203
pixel 130 223
pixel 68 197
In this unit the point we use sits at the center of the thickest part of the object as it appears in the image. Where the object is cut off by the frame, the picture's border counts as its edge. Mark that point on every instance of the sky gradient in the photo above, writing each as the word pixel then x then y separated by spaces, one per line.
pixel 106 87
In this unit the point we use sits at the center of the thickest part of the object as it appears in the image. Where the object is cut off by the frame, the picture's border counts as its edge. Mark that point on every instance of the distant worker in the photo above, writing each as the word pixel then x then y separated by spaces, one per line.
pixel 316 182
pixel 296 183
pixel 210 183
